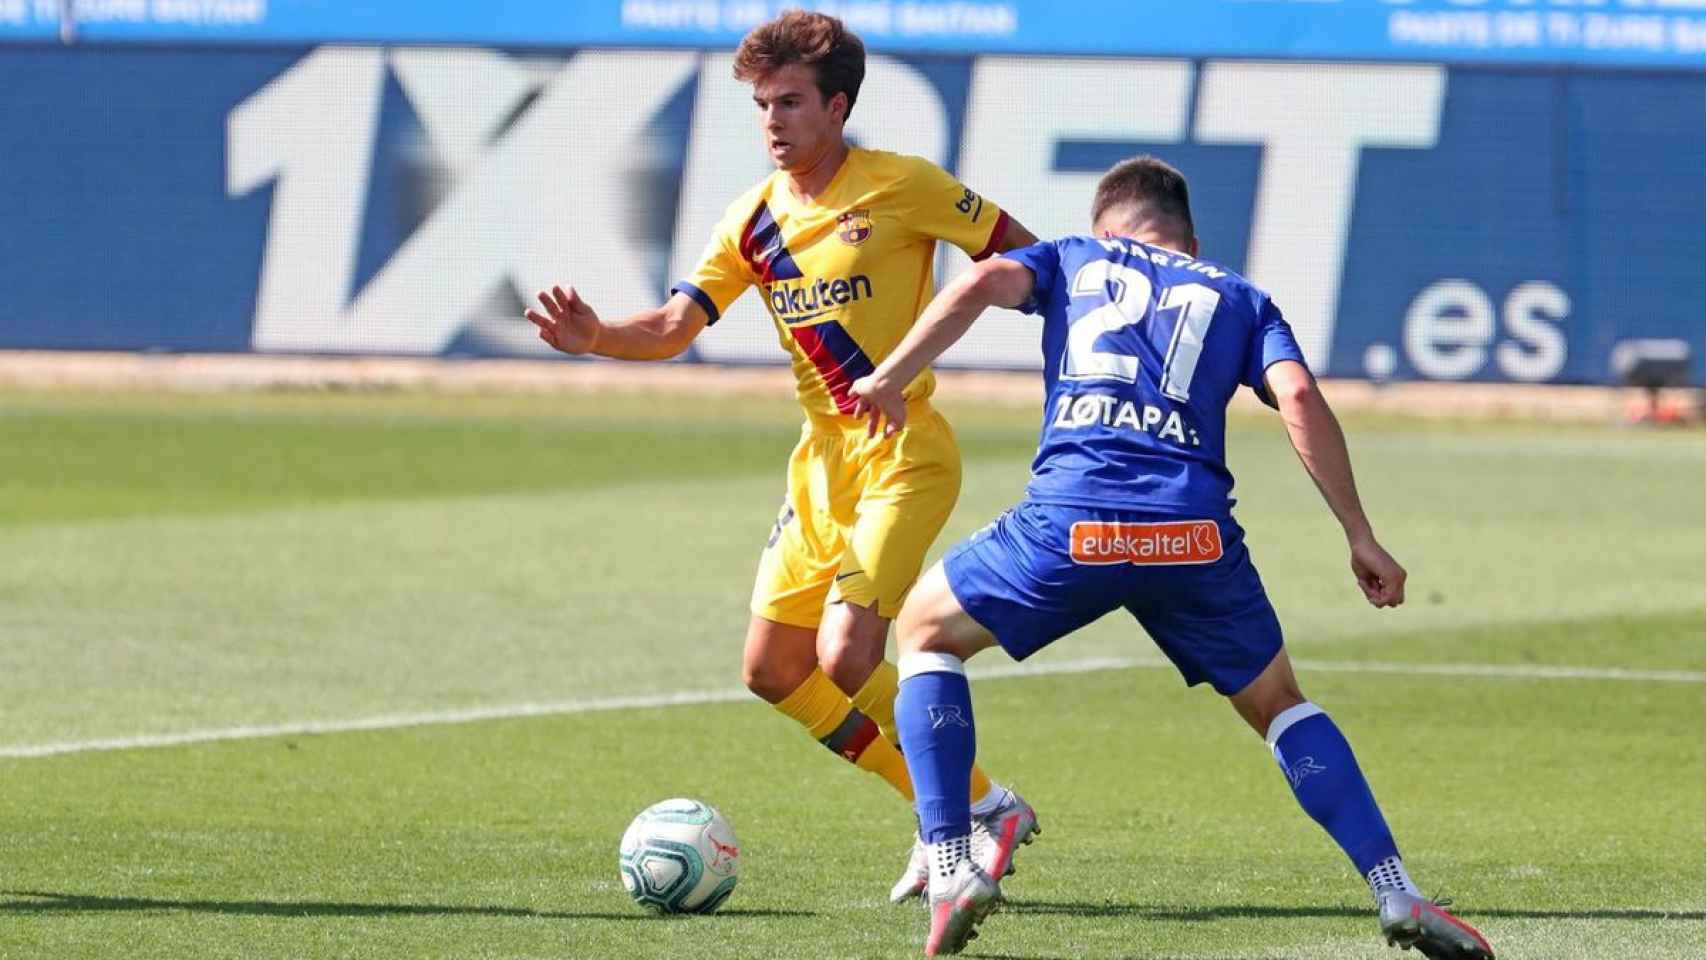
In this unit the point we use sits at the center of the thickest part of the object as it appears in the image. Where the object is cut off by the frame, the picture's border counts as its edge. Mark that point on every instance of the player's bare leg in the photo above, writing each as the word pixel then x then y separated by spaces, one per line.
pixel 781 666
pixel 1324 775
pixel 1272 693
pixel 850 644
pixel 778 658
pixel 850 647
pixel 936 637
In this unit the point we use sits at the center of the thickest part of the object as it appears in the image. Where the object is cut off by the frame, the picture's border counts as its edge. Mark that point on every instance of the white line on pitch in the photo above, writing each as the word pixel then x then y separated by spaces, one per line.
pixel 553 708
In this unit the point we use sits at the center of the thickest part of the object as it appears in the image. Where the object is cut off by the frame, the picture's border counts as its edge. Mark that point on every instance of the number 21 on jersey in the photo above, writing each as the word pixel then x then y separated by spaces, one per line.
pixel 1125 294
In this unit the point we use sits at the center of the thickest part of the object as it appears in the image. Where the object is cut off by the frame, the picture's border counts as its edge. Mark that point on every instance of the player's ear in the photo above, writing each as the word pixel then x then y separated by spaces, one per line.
pixel 840 99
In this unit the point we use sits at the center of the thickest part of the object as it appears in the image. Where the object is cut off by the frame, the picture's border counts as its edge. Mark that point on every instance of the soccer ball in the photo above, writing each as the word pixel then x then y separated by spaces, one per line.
pixel 679 856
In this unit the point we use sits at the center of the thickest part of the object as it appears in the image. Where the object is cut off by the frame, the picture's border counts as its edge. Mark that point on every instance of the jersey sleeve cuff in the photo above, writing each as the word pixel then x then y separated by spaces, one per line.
pixel 995 235
pixel 1261 384
pixel 1033 304
pixel 700 297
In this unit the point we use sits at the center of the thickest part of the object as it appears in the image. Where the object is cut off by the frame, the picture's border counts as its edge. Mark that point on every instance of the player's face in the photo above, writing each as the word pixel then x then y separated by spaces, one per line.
pixel 800 125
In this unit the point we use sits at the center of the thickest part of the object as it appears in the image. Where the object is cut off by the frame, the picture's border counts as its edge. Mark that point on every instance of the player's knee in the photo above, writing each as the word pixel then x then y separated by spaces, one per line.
pixel 1272 693
pixel 772 679
pixel 1269 710
pixel 912 630
pixel 849 658
pixel 928 634
pixel 925 626
pixel 1260 705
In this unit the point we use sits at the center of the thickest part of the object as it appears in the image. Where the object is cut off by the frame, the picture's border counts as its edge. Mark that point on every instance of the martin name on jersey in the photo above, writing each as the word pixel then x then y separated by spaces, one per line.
pixel 1143 348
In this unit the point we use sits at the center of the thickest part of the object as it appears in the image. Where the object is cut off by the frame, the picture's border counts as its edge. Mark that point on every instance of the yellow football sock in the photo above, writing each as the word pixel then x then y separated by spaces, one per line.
pixel 820 706
pixel 980 784
pixel 876 700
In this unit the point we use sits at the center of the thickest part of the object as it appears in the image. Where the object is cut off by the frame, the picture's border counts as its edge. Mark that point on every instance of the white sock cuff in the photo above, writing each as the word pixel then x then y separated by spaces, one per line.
pixel 1389 874
pixel 1290 718
pixel 913 664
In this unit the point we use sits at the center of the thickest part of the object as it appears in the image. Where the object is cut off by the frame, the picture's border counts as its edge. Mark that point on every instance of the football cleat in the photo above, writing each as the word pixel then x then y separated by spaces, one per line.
pixel 1409 921
pixel 916 878
pixel 1003 830
pixel 972 895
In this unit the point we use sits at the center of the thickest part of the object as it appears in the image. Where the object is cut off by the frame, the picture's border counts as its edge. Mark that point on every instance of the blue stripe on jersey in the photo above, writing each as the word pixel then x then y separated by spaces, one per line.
pixel 700 297
pixel 1143 348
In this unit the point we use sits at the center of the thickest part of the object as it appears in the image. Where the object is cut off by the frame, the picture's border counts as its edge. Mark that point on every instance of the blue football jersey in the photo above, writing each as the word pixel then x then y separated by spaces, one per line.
pixel 1143 348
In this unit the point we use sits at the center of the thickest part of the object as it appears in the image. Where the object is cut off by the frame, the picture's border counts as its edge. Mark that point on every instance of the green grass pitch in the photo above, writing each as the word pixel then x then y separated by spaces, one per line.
pixel 173 564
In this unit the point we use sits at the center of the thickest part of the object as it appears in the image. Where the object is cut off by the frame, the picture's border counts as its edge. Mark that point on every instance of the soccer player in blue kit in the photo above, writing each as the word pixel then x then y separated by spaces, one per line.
pixel 1129 506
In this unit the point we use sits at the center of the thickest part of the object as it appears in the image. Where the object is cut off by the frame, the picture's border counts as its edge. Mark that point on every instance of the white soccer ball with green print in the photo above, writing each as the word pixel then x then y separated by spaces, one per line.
pixel 679 856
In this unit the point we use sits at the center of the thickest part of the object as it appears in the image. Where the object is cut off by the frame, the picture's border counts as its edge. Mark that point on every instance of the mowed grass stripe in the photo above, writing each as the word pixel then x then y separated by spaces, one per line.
pixel 1170 834
pixel 686 698
pixel 173 564
pixel 391 567
pixel 172 456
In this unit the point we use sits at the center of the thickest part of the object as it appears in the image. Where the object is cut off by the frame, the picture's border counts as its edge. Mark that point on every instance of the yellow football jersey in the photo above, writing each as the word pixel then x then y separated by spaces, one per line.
pixel 846 275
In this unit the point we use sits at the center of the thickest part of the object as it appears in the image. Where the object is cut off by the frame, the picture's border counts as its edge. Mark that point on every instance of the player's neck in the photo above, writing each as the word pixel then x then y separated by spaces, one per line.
pixel 810 181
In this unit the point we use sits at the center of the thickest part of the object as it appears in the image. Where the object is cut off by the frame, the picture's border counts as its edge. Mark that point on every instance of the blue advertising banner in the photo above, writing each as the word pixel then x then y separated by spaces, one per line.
pixel 1412 220
pixel 30 21
pixel 1641 33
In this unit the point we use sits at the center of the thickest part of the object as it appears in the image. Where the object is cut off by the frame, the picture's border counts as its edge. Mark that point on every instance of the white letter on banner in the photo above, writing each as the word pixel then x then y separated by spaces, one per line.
pixel 1009 156
pixel 1313 120
pixel 1447 330
pixel 898 110
pixel 545 204
pixel 462 97
pixel 312 130
pixel 1534 315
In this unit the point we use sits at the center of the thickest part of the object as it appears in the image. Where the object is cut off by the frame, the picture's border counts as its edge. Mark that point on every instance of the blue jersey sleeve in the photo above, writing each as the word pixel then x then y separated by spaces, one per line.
pixel 1043 260
pixel 1271 341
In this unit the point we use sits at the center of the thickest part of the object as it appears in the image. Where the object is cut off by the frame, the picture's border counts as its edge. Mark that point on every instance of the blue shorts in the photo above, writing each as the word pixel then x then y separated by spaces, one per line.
pixel 1041 571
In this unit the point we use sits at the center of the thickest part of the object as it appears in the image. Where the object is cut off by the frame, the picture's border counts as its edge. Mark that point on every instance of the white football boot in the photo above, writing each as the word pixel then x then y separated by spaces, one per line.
pixel 970 898
pixel 995 837
pixel 1408 921
pixel 916 878
pixel 997 834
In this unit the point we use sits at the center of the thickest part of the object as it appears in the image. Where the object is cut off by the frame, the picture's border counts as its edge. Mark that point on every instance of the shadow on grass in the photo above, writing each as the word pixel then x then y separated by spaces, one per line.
pixel 45 903
pixel 971 951
pixel 1237 911
pixel 1242 911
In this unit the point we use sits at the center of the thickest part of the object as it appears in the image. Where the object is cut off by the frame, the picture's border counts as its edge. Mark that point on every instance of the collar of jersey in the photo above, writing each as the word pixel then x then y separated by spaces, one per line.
pixel 792 202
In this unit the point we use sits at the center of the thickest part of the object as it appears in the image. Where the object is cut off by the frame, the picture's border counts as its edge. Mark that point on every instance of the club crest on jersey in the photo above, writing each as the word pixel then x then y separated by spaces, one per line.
pixel 854 227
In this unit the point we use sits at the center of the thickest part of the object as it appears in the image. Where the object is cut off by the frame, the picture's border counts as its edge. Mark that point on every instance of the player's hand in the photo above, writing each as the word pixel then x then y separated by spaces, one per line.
pixel 1379 576
pixel 878 403
pixel 568 323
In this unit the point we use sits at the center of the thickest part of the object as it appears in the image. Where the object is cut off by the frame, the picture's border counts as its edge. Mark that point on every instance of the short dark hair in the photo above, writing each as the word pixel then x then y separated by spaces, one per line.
pixel 1144 189
pixel 817 40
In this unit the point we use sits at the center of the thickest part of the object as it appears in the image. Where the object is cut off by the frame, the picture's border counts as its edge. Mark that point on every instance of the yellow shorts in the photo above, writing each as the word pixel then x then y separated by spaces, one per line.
pixel 860 515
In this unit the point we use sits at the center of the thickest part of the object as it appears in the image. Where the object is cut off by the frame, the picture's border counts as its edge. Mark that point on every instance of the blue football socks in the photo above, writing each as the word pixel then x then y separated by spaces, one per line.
pixel 933 712
pixel 1327 782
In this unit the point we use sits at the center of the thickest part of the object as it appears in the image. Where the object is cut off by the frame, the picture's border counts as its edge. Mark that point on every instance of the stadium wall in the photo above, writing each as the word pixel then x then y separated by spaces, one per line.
pixel 1431 221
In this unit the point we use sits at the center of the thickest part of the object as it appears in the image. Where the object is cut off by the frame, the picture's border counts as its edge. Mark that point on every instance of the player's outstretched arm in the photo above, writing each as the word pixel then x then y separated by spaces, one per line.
pixel 1014 237
pixel 1320 444
pixel 569 324
pixel 992 283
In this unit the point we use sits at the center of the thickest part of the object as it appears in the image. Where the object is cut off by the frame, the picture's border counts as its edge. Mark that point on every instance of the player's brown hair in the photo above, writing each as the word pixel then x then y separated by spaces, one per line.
pixel 1145 189
pixel 817 40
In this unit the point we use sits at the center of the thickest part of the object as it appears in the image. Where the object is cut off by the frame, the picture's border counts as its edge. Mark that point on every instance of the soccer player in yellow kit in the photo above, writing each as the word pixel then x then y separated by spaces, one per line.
pixel 839 241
